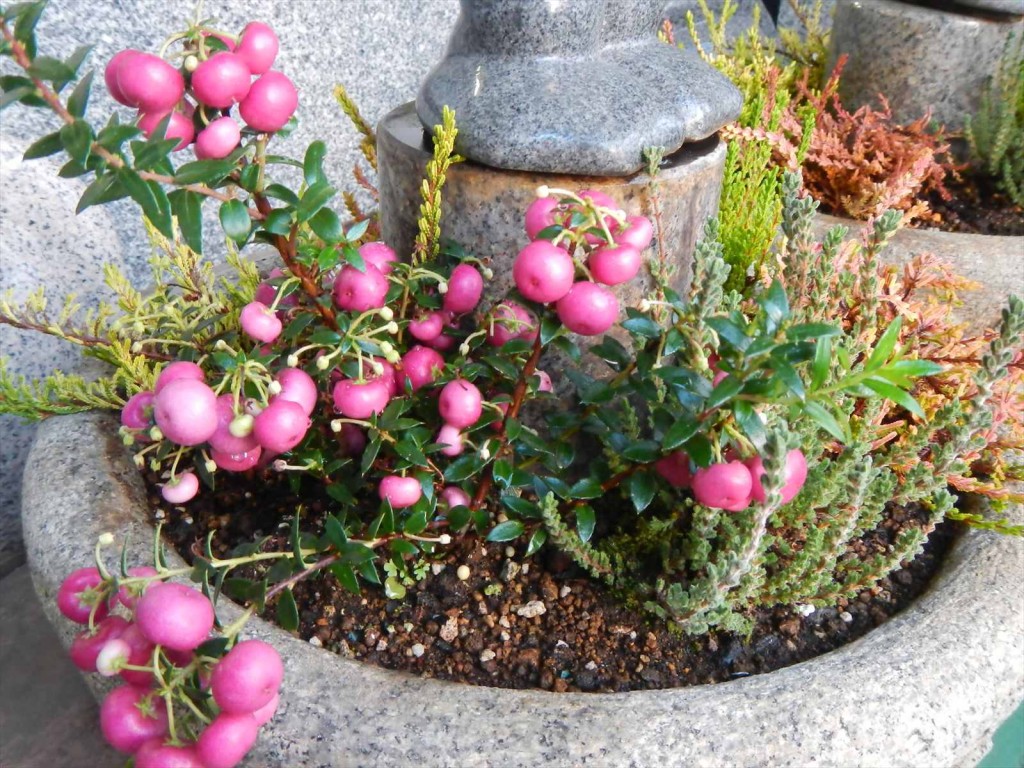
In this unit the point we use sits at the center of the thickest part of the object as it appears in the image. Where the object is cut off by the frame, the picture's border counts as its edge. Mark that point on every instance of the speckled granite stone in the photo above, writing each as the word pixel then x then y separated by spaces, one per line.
pixel 580 87
pixel 42 244
pixel 483 208
pixel 917 57
pixel 927 688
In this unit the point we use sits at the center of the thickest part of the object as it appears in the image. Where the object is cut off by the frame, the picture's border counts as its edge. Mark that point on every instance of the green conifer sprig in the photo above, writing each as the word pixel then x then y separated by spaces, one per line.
pixel 428 237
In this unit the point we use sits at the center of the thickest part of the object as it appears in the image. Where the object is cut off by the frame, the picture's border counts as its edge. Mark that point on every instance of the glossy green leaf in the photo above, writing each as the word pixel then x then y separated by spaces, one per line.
pixel 313 163
pixel 506 531
pixel 77 139
pixel 642 487
pixel 899 396
pixel 586 521
pixel 749 422
pixel 822 362
pixel 316 197
pixel 346 577
pixel 536 542
pixel 724 391
pixel 287 611
pixel 51 69
pixel 187 208
pixel 586 488
pixel 326 224
pixel 234 218
pixel 681 431
pixel 50 144
pixel 885 345
pixel 279 222
pixel 208 172
pixel 282 193
pixel 825 420
pixel 729 332
pixel 78 101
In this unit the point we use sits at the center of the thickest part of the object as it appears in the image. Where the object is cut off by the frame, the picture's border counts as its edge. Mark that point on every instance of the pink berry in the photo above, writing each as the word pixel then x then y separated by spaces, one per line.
pixel 604 201
pixel 281 425
pixel 427 327
pixel 402 492
pixel 454 496
pixel 356 291
pixel 185 410
pixel 86 646
pixel 179 369
pixel 224 439
pixel 388 375
pixel 112 655
pixel 137 413
pixel 270 104
pixel 544 385
pixel 675 468
pixel 540 215
pixel 420 367
pixel 227 740
pixel 111 72
pixel 266 712
pixel 351 440
pixel 155 754
pixel 266 291
pixel 140 655
pixel 460 403
pixel 723 486
pixel 442 342
pixel 218 139
pixel 257 47
pixel 259 322
pixel 379 255
pixel 794 474
pixel 638 233
pixel 174 615
pixel 356 400
pixel 614 264
pixel 451 437
pixel 465 287
pixel 181 488
pixel 221 80
pixel 69 600
pixel 130 716
pixel 150 83
pixel 543 272
pixel 178 127
pixel 588 309
pixel 247 677
pixel 511 320
pixel 297 386
pixel 237 462
pixel 128 596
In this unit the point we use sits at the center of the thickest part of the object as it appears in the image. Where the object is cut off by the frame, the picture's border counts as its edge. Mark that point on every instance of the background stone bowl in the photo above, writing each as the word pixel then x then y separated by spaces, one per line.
pixel 926 688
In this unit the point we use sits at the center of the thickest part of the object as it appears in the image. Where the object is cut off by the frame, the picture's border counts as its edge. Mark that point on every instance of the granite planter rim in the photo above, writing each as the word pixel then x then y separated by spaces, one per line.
pixel 905 694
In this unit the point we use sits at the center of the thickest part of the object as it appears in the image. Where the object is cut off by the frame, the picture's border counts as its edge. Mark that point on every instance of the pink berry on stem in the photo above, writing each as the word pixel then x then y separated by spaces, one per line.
pixel 427 327
pixel 140 655
pixel 465 287
pixel 588 309
pixel 259 322
pixel 247 678
pixel 451 437
pixel 86 646
pixel 137 413
pixel 460 403
pixel 224 438
pixel 614 264
pixel 723 486
pixel 297 386
pixel 130 716
pixel 266 712
pixel 271 102
pixel 794 474
pixel 218 140
pixel 111 72
pixel 420 366
pixel 150 83
pixel 179 369
pixel 356 291
pixel 181 488
pixel 178 127
pixel 401 491
pixel 128 596
pixel 454 496
pixel 544 385
pixel 236 462
pixel 638 233
pixel 540 215
pixel 675 468
pixel 227 740
pixel 357 400
pixel 185 410
pixel 154 753
pixel 281 425
pixel 69 600
pixel 379 255
pixel 543 272
pixel 221 80
pixel 257 46
pixel 511 320
pixel 174 615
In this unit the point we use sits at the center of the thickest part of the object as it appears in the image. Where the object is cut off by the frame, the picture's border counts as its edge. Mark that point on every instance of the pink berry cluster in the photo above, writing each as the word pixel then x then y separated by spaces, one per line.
pixel 153 649
pixel 732 484
pixel 183 409
pixel 198 97
pixel 546 271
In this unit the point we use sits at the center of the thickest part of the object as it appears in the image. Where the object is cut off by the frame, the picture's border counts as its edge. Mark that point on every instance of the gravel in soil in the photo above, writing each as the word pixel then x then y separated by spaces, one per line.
pixel 532 623
pixel 976 208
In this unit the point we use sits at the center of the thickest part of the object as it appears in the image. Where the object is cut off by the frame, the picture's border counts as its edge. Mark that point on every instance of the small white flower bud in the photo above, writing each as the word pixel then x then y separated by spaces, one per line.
pixel 274 387
pixel 322 363
pixel 292 361
pixel 106 539
pixel 386 348
pixel 645 306
pixel 140 461
pixel 485 453
pixel 386 314
pixel 137 348
pixel 442 288
pixel 464 349
pixel 220 344
pixel 112 656
pixel 138 327
pixel 393 357
pixel 211 466
pixel 280 465
pixel 336 426
pixel 488 273
pixel 444 539
pixel 377 368
pixel 392 328
pixel 191 63
pixel 241 426
pixel 155 434
pixel 543 191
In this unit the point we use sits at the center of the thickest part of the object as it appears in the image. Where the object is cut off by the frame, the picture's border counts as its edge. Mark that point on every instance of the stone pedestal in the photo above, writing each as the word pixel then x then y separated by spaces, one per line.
pixel 918 57
pixel 483 207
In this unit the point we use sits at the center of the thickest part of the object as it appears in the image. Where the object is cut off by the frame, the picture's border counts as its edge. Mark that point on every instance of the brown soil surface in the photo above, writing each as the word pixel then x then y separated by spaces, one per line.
pixel 519 623
pixel 976 208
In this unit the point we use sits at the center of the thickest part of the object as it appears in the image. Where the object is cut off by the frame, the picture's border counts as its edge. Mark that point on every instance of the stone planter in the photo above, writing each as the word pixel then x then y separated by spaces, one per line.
pixel 996 262
pixel 927 688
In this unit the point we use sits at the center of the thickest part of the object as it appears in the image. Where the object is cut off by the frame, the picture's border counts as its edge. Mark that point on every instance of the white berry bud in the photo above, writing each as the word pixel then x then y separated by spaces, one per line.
pixel 393 357
pixel 386 314
pixel 488 273
pixel 392 328
pixel 543 191
pixel 220 344
pixel 444 539
pixel 140 461
pixel 442 288
pixel 464 349
pixel 241 426
pixel 139 327
pixel 378 369
pixel 137 348
pixel 280 465
pixel 485 453
pixel 155 434
pixel 292 361
pixel 386 347
pixel 191 62
pixel 645 306
pixel 322 363
pixel 112 656
pixel 274 387
pixel 106 539
pixel 336 426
